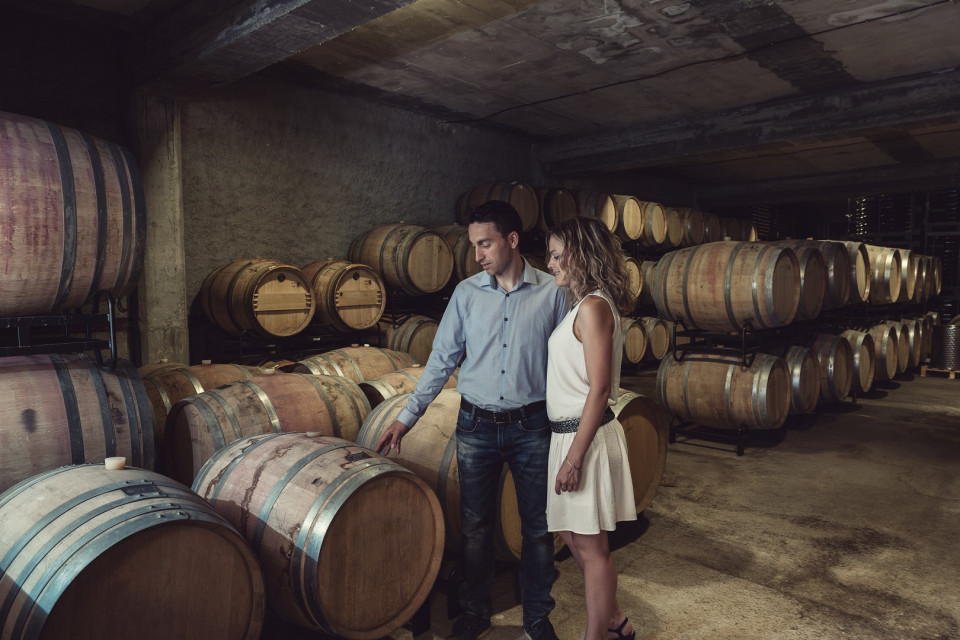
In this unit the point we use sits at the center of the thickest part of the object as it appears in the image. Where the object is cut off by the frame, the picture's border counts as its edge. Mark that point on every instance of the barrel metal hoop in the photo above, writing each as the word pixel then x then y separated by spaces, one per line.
pixel 686 277
pixel 228 298
pixel 139 216
pixel 133 422
pixel 267 404
pixel 345 486
pixel 50 517
pixel 660 273
pixel 271 500
pixel 68 190
pixel 727 286
pixel 123 270
pixel 144 412
pixel 755 294
pixel 684 387
pixel 83 552
pixel 71 408
pixel 106 420
pixel 728 395
pixel 245 446
pixel 351 361
pixel 228 410
pixel 402 260
pixel 210 418
pixel 761 379
pixel 327 404
pixel 383 247
pixel 100 188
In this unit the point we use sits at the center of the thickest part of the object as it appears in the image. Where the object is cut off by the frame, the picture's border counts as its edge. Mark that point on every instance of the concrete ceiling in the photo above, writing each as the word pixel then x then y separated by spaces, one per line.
pixel 747 100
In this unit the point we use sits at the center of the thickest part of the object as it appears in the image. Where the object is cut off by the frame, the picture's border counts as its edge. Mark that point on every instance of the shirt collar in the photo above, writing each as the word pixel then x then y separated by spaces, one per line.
pixel 529 276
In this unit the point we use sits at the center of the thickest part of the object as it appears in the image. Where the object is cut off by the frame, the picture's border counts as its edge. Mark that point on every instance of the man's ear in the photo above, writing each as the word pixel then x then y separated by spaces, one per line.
pixel 513 238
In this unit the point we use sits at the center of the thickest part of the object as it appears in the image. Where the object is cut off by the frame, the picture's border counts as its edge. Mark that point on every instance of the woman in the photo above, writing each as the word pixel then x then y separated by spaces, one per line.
pixel 592 488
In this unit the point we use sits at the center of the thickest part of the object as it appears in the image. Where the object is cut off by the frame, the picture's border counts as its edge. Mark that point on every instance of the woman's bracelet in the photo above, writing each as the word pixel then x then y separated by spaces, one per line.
pixel 567 460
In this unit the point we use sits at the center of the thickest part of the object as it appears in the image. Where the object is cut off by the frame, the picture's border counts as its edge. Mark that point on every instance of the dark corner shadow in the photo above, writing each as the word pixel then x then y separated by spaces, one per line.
pixel 885 385
pixel 905 377
pixel 802 421
pixel 875 393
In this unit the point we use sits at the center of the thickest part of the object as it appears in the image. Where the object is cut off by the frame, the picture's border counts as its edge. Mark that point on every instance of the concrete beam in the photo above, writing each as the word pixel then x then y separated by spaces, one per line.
pixel 210 43
pixel 858 111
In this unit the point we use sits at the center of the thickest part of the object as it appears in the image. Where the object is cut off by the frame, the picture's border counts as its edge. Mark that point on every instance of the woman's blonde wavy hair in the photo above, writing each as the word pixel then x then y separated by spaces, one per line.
pixel 594 259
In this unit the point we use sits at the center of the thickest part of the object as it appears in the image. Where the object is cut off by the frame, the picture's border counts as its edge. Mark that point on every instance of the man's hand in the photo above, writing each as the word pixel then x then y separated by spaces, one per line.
pixel 391 438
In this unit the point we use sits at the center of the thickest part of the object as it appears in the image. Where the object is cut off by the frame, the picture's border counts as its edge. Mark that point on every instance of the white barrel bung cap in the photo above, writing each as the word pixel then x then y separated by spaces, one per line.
pixel 115 463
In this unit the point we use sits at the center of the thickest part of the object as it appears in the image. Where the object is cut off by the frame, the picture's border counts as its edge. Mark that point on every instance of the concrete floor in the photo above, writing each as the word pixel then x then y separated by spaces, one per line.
pixel 845 525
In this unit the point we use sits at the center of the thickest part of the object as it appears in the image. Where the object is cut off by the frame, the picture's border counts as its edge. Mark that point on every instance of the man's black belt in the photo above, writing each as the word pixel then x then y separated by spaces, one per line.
pixel 505 416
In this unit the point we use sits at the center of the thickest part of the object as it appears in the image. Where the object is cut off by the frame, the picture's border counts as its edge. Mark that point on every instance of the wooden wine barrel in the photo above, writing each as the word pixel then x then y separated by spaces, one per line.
pixel 885 277
pixel 864 359
pixel 201 425
pixel 600 205
pixel 886 349
pixel 693 229
pixel 645 432
pixel 261 297
pixel 804 379
pixel 72 217
pixel 62 409
pixel 355 363
pixel 556 205
pixel 350 542
pixel 402 381
pixel 674 234
pixel 813 278
pixel 430 451
pixel 908 276
pixel 411 334
pixel 520 195
pixel 922 288
pixel 860 272
pixel 169 385
pixel 916 346
pixel 836 260
pixel 658 338
pixel 410 258
pixel 717 391
pixel 89 554
pixel 836 366
pixel 457 237
pixel 630 217
pixel 647 268
pixel 635 273
pixel 654 224
pixel 907 348
pixel 712 231
pixel 722 286
pixel 349 297
pixel 634 339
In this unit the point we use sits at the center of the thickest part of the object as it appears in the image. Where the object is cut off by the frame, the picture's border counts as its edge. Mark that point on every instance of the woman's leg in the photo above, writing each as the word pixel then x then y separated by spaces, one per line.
pixel 600 584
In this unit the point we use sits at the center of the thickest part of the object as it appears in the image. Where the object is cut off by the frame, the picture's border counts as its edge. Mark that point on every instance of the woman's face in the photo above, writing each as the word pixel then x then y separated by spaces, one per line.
pixel 554 253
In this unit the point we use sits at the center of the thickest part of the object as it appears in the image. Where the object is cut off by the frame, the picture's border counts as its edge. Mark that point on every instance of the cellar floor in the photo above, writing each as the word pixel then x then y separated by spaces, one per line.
pixel 844 524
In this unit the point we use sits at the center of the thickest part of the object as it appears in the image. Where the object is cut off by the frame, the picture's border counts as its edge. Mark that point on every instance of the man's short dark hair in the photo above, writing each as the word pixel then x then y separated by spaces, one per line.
pixel 502 214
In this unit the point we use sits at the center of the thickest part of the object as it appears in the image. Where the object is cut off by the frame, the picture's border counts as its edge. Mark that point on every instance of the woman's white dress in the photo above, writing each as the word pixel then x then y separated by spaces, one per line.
pixel 605 495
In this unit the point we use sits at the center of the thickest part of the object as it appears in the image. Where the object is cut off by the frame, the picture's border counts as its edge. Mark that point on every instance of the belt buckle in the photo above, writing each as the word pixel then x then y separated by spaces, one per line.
pixel 501 417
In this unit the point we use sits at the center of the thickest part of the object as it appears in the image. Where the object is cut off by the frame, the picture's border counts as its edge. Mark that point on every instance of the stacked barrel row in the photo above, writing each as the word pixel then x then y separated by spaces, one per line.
pixel 726 287
pixel 632 218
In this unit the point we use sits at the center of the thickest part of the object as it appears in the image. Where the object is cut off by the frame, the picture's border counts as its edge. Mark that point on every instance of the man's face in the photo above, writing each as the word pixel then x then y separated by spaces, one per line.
pixel 494 252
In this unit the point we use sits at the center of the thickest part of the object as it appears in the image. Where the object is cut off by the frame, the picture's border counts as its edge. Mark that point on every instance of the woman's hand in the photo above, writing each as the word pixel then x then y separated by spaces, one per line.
pixel 568 479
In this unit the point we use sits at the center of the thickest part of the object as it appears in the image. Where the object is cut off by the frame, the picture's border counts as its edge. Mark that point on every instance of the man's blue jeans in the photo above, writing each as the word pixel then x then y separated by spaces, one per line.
pixel 482 448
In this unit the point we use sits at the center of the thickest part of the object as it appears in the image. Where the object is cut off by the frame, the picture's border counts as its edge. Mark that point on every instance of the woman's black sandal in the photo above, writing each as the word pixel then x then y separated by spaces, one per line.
pixel 619 631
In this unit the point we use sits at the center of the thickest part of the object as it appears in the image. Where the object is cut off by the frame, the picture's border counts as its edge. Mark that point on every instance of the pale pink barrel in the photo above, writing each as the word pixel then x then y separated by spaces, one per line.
pixel 72 217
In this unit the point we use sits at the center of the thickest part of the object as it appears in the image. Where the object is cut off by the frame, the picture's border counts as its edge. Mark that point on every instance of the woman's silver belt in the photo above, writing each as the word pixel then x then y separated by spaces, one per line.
pixel 570 426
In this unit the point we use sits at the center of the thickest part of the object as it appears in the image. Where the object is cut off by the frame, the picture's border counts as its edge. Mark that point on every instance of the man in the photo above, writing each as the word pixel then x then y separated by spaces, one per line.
pixel 502 318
